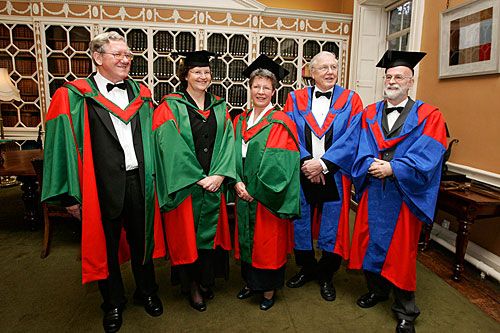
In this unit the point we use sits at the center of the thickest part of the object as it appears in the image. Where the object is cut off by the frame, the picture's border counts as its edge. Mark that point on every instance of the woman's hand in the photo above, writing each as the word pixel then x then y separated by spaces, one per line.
pixel 211 183
pixel 75 211
pixel 241 191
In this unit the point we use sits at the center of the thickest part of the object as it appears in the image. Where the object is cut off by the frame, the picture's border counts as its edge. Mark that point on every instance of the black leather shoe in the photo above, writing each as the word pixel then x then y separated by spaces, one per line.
pixel 370 299
pixel 152 304
pixel 244 293
pixel 200 306
pixel 298 280
pixel 327 291
pixel 266 303
pixel 112 320
pixel 405 326
pixel 207 293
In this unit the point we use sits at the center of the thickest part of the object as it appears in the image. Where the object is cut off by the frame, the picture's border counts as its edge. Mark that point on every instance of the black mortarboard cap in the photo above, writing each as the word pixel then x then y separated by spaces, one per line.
pixel 197 58
pixel 393 58
pixel 265 62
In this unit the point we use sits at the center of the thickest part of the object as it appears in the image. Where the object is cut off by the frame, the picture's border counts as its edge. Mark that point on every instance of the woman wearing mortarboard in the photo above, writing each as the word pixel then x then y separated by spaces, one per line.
pixel 267 185
pixel 194 156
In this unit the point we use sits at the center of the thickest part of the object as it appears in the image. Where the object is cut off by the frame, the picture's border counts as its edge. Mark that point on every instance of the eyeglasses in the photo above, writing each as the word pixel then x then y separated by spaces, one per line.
pixel 326 68
pixel 397 77
pixel 201 73
pixel 262 88
pixel 120 56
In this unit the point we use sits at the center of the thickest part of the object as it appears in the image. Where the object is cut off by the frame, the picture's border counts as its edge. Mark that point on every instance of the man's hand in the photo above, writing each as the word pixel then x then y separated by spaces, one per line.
pixel 211 183
pixel 75 211
pixel 241 191
pixel 319 179
pixel 380 169
pixel 311 168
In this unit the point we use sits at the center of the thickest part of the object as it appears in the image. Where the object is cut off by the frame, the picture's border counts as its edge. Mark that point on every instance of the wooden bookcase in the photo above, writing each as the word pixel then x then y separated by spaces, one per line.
pixel 53 48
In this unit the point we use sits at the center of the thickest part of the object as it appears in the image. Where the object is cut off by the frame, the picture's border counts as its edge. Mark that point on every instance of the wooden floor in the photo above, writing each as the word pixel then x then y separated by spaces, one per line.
pixel 484 293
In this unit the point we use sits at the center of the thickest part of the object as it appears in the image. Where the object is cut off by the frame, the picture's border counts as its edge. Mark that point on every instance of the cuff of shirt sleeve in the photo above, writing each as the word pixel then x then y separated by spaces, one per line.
pixel 323 165
pixel 330 166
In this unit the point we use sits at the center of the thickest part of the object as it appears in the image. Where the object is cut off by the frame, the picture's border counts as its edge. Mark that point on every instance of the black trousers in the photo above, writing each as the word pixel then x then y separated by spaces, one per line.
pixel 323 269
pixel 132 219
pixel 404 306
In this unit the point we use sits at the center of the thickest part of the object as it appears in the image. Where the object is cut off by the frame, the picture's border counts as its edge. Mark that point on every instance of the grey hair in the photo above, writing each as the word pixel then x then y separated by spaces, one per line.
pixel 314 59
pixel 98 42
pixel 265 73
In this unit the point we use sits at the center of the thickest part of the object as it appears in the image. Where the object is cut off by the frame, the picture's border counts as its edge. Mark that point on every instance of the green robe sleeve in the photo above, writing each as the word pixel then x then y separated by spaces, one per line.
pixel 173 157
pixel 276 184
pixel 60 174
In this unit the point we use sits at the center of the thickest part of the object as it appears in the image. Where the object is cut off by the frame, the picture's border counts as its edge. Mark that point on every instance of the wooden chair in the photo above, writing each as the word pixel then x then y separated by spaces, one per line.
pixel 48 211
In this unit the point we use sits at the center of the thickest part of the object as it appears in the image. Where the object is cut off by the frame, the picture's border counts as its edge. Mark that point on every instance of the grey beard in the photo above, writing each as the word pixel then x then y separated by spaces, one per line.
pixel 394 94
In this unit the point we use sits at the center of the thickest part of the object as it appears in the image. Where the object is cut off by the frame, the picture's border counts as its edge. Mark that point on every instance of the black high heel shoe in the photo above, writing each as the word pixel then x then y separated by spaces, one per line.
pixel 244 293
pixel 267 303
pixel 207 293
pixel 198 306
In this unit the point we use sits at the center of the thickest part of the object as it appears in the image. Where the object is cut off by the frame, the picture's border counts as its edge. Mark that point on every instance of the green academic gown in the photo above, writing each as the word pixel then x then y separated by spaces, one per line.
pixel 193 218
pixel 69 168
pixel 264 234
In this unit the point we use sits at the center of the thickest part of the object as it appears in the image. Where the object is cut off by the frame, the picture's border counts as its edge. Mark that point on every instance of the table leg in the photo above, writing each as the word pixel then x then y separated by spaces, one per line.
pixel 461 247
pixel 427 236
pixel 30 199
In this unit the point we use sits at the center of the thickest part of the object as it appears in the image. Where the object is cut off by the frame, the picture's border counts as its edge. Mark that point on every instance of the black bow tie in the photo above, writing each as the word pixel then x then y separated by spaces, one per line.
pixel 398 109
pixel 327 94
pixel 121 85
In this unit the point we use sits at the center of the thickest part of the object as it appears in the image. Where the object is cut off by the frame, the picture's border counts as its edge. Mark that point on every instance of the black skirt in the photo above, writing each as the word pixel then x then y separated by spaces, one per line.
pixel 262 279
pixel 210 264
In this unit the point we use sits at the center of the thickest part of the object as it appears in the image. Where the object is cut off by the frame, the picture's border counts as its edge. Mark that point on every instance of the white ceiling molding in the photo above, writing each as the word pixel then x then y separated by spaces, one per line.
pixel 241 6
pixel 376 2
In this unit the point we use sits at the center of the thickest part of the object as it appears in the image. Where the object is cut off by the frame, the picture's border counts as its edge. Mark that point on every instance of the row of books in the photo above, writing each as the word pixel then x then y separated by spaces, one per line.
pixel 24 66
pixel 311 48
pixel 139 67
pixel 185 42
pixel 22 31
pixel 220 72
pixel 163 68
pixel 28 89
pixel 289 49
pixel 137 40
pixel 238 45
pixel 163 41
pixel 28 118
pixel 79 67
pixel 292 76
pixel 24 44
pixel 237 95
pixel 55 84
pixel 162 89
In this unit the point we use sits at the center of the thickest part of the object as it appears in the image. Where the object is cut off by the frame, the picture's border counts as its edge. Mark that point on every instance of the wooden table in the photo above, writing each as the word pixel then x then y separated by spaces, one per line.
pixel 18 163
pixel 467 202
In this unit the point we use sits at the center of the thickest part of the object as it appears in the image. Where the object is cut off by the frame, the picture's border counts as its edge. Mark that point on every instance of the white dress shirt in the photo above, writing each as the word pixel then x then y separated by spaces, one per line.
pixel 320 107
pixel 123 131
pixel 394 115
pixel 251 121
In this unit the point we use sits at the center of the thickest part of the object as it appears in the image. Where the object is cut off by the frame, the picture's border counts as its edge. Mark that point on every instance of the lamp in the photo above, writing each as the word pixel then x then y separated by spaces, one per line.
pixel 8 92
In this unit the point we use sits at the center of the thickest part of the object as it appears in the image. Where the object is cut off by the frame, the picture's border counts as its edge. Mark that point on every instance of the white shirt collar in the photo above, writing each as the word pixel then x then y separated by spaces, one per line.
pixel 252 121
pixel 402 104
pixel 317 89
pixel 101 82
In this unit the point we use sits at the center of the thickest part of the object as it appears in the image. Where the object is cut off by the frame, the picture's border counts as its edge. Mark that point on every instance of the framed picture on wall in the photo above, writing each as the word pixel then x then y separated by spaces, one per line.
pixel 469 39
